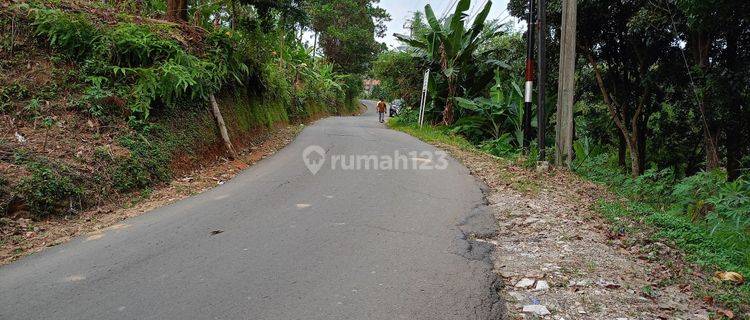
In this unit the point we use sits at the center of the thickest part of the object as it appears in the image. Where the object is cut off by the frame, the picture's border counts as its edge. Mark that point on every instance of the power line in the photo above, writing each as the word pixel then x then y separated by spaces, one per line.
pixel 448 10
pixel 477 10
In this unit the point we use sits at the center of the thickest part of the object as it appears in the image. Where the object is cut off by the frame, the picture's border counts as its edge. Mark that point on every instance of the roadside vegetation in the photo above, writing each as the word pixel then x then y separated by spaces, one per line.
pixel 100 99
pixel 682 176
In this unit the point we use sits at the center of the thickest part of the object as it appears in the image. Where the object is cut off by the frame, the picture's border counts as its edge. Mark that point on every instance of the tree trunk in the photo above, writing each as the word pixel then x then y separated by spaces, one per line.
pixel 735 132
pixel 222 127
pixel 712 150
pixel 448 112
pixel 177 10
pixel 566 87
pixel 315 44
pixel 700 44
pixel 621 151
pixel 642 134
pixel 630 135
pixel 635 163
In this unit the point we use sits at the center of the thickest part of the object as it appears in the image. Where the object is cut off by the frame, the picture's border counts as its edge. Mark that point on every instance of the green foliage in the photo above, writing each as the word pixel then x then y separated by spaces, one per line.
pixel 347 31
pixel 73 34
pixel 406 116
pixel 157 70
pixel 132 45
pixel 146 165
pixel 48 190
pixel 151 74
pixel 12 92
pixel 483 118
pixel 704 214
pixel 451 50
pixel 400 77
pixel 432 134
pixel 501 147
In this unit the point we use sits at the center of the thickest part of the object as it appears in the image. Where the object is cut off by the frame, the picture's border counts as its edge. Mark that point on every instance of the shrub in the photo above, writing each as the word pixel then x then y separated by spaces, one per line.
pixel 406 116
pixel 47 190
pixel 73 34
pixel 703 214
pixel 5 195
pixel 147 165
pixel 136 46
pixel 501 147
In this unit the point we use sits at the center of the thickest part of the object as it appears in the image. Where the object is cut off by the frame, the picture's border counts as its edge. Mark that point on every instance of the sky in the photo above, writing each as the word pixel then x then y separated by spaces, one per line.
pixel 401 10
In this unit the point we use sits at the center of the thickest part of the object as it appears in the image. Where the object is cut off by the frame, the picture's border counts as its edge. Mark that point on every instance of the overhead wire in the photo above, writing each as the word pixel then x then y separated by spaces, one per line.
pixel 477 10
pixel 448 10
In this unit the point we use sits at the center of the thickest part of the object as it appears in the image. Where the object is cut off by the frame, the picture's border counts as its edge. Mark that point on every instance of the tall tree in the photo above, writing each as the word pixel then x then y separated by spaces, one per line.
pixel 347 31
pixel 715 33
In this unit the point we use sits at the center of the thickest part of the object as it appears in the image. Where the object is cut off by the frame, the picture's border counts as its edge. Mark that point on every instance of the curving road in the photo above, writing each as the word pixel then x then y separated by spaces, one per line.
pixel 340 244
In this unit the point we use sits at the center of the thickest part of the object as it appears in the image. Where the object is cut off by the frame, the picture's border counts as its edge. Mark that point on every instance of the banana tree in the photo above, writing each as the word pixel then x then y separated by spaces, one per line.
pixel 500 114
pixel 450 47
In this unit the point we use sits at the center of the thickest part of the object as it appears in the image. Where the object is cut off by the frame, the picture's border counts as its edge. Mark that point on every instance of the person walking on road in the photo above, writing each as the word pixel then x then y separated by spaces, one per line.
pixel 381 111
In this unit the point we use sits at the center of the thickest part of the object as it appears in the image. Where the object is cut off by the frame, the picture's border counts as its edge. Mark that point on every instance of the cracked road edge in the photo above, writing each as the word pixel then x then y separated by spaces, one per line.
pixel 480 224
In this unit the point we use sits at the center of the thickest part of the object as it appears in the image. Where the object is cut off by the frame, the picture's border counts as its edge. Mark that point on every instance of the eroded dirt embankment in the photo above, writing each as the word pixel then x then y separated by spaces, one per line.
pixel 22 236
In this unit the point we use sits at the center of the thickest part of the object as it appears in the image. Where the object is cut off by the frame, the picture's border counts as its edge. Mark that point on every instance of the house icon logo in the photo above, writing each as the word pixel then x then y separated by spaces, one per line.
pixel 314 158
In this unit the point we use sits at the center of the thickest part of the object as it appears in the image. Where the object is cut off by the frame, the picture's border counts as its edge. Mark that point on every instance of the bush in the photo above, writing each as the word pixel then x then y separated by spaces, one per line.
pixel 147 165
pixel 5 195
pixel 145 67
pixel 400 77
pixel 134 45
pixel 72 34
pixel 501 147
pixel 406 116
pixel 47 190
pixel 706 216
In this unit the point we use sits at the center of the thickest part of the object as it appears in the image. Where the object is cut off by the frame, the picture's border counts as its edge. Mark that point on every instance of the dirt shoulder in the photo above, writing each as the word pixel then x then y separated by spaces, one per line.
pixel 21 237
pixel 560 258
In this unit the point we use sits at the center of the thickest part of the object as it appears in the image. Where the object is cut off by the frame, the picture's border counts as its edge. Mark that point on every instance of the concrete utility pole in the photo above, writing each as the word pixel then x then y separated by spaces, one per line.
pixel 566 86
pixel 541 77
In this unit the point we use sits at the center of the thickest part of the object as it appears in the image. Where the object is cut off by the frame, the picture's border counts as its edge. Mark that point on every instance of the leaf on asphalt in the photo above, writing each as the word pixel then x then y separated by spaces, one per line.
pixel 215 232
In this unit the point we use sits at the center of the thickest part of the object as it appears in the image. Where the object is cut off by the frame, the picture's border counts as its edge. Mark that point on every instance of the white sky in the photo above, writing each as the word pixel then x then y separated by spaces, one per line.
pixel 401 10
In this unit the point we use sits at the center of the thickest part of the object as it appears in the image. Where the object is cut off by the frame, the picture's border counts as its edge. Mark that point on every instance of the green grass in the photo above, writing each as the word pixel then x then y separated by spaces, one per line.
pixel 442 135
pixel 432 134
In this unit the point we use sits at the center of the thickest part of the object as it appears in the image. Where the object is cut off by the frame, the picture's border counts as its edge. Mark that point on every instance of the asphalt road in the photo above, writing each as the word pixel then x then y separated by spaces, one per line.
pixel 340 244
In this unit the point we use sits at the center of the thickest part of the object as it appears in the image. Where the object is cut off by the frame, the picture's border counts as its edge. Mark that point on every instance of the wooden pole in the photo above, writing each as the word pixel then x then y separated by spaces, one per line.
pixel 222 127
pixel 541 77
pixel 566 86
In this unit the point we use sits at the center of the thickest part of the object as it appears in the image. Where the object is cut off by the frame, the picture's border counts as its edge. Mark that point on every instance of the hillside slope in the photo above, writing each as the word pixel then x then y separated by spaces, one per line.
pixel 97 105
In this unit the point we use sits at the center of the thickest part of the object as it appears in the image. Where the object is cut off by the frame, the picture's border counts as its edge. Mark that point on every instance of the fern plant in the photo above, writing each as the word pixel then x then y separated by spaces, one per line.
pixel 73 34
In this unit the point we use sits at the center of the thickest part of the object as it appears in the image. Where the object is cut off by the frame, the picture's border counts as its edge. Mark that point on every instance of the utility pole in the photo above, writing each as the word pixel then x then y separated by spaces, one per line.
pixel 566 86
pixel 541 76
pixel 528 92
